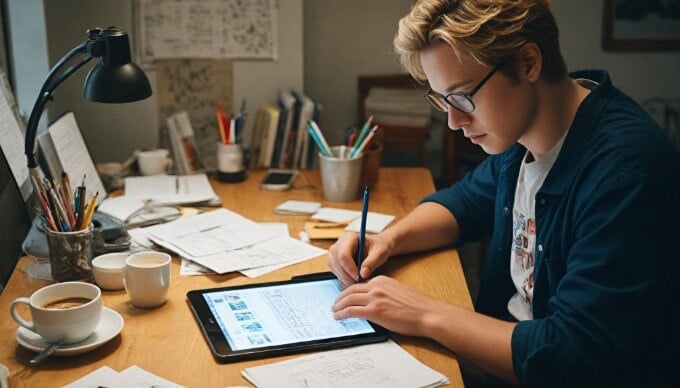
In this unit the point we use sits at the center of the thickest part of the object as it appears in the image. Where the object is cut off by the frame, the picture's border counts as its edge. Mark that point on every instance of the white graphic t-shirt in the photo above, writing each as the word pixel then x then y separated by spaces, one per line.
pixel 532 173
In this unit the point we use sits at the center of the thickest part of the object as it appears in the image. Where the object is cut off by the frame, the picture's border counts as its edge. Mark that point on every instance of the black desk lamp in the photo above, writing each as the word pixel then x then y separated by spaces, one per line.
pixel 115 79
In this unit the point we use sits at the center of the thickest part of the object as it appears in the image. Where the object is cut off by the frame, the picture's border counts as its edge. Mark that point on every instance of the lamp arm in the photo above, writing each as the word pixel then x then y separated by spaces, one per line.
pixel 43 98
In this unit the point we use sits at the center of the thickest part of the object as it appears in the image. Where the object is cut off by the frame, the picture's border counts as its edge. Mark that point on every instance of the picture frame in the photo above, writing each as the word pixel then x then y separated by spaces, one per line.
pixel 641 25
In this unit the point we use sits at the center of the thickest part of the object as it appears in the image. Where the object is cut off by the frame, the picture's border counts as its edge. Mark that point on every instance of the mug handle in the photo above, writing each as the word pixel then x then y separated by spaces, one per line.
pixel 13 309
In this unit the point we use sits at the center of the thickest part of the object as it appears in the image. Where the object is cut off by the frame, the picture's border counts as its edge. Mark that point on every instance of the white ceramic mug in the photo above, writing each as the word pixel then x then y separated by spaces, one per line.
pixel 153 162
pixel 147 278
pixel 54 320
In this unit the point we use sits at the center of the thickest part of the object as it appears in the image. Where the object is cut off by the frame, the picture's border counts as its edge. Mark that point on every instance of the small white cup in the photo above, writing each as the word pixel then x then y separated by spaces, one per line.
pixel 153 162
pixel 147 278
pixel 109 270
pixel 67 324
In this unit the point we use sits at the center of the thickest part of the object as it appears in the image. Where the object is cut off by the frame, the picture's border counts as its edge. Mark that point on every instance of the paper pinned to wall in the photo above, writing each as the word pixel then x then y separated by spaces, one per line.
pixel 217 29
pixel 192 85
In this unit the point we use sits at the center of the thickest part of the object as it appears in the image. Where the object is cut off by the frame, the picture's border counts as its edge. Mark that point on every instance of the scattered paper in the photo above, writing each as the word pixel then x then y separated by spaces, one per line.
pixel 132 377
pixel 375 223
pixel 383 364
pixel 171 189
pixel 331 214
pixel 224 241
pixel 298 207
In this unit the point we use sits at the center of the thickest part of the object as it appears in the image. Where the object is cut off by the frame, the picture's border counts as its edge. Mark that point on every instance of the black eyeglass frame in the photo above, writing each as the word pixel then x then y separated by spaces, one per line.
pixel 431 95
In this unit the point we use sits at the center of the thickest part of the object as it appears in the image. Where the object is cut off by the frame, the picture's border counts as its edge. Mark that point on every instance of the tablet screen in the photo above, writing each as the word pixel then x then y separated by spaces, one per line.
pixel 280 314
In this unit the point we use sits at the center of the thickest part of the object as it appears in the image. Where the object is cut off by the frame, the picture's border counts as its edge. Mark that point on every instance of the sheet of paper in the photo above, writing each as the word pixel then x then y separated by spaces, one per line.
pixel 171 189
pixel 74 157
pixel 375 222
pixel 12 141
pixel 383 364
pixel 332 214
pixel 121 207
pixel 298 207
pixel 209 233
pixel 132 377
pixel 224 241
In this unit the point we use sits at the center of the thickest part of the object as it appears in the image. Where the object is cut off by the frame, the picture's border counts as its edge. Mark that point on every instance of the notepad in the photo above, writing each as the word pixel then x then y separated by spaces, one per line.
pixel 375 222
pixel 298 207
pixel 382 364
pixel 324 230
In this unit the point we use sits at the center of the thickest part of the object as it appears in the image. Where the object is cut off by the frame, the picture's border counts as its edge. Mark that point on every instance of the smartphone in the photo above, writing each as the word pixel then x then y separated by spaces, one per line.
pixel 278 180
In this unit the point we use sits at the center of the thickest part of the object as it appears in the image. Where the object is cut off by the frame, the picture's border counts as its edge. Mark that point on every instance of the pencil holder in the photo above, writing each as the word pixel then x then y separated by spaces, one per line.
pixel 230 166
pixel 340 175
pixel 70 254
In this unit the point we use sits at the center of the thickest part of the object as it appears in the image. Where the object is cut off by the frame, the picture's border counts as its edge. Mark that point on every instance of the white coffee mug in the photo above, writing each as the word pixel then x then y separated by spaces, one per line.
pixel 147 278
pixel 67 312
pixel 153 162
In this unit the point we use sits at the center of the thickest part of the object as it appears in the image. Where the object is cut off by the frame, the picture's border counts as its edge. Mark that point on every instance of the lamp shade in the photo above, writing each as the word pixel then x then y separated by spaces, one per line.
pixel 115 79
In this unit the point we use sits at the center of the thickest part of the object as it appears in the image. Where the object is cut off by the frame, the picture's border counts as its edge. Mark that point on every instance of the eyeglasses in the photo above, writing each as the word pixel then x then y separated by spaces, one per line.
pixel 460 101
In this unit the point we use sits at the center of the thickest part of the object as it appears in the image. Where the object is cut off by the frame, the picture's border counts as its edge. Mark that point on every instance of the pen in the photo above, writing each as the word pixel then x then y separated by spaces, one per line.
pixel 362 233
pixel 176 185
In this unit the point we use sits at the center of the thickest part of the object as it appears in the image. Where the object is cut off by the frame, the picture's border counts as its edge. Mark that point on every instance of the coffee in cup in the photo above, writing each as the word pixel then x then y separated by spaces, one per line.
pixel 64 312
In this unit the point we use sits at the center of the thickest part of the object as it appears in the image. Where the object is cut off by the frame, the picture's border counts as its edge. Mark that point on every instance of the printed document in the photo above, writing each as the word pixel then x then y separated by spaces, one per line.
pixel 225 241
pixel 383 364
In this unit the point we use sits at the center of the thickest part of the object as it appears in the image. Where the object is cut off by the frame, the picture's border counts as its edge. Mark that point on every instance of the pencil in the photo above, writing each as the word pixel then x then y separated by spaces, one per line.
pixel 90 211
pixel 220 126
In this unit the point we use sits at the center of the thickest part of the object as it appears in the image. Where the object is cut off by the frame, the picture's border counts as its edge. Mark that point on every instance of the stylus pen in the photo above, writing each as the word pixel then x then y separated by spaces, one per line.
pixel 362 233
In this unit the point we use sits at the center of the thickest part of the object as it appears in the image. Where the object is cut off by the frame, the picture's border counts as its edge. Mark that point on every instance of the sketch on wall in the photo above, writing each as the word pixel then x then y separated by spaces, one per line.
pixel 641 25
pixel 210 29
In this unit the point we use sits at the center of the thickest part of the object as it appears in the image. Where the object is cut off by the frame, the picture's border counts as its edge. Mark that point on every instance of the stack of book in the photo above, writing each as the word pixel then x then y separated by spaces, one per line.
pixel 187 160
pixel 280 138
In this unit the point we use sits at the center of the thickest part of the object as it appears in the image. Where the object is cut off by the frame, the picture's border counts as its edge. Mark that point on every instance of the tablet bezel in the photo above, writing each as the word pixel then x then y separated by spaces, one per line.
pixel 219 346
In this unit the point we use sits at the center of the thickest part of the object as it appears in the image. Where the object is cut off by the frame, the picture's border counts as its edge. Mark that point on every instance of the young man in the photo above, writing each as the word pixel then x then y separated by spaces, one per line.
pixel 580 193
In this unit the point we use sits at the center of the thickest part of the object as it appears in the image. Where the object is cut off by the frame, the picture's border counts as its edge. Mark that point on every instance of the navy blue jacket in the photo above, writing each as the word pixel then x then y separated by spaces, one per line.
pixel 606 298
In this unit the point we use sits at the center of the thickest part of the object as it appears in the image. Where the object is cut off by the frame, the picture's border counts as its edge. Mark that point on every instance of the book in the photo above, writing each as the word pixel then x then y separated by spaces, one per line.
pixel 63 148
pixel 184 152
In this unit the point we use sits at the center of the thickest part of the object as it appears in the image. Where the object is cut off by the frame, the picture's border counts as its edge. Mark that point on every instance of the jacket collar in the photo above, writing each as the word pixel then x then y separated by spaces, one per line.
pixel 581 127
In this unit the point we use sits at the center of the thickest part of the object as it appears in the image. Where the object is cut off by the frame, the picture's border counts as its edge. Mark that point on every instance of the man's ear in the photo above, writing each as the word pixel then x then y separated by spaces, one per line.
pixel 530 62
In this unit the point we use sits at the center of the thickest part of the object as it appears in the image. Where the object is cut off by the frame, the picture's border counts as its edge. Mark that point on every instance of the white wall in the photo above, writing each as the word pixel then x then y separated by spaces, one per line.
pixel 113 131
pixel 347 38
pixel 28 50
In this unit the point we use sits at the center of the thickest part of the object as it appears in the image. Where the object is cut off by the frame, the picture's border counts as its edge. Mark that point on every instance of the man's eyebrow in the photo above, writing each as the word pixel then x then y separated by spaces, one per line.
pixel 457 85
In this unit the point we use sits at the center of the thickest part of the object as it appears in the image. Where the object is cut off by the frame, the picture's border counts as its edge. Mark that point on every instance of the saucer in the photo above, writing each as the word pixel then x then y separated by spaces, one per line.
pixel 110 324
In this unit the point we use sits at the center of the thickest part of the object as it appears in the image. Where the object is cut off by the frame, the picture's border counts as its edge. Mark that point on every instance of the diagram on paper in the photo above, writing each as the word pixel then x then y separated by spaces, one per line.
pixel 220 29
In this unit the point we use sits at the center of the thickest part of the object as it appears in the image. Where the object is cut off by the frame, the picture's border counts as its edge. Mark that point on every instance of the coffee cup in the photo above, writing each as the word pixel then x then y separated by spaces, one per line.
pixel 153 162
pixel 147 278
pixel 63 312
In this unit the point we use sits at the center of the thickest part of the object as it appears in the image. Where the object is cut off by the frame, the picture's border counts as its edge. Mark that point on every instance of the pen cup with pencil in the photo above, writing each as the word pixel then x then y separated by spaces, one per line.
pixel 340 174
pixel 70 254
pixel 230 166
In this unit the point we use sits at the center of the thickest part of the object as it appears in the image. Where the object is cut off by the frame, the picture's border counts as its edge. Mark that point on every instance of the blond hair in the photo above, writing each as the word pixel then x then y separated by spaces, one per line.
pixel 487 32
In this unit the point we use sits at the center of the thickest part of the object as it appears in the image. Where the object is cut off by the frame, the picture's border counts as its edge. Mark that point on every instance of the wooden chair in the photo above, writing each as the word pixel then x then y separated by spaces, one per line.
pixel 459 155
pixel 394 136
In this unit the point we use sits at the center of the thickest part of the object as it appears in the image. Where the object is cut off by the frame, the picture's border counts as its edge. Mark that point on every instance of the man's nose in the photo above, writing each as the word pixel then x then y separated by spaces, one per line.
pixel 457 119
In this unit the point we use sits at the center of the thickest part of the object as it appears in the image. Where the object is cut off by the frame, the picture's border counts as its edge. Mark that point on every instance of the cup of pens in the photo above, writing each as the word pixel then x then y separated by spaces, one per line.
pixel 230 163
pixel 70 254
pixel 340 174
pixel 68 225
pixel 341 166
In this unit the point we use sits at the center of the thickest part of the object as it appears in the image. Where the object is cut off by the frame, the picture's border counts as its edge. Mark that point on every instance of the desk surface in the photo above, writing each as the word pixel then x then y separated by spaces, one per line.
pixel 166 340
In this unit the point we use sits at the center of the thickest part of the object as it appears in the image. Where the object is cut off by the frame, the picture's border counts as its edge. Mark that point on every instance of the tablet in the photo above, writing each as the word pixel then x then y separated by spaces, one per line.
pixel 271 319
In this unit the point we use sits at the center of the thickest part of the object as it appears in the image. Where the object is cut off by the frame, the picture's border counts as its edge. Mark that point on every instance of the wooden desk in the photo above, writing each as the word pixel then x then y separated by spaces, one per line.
pixel 166 340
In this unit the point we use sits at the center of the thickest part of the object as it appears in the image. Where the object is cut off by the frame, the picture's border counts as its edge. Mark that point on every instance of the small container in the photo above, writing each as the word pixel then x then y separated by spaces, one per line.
pixel 230 166
pixel 340 174
pixel 109 270
pixel 70 254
